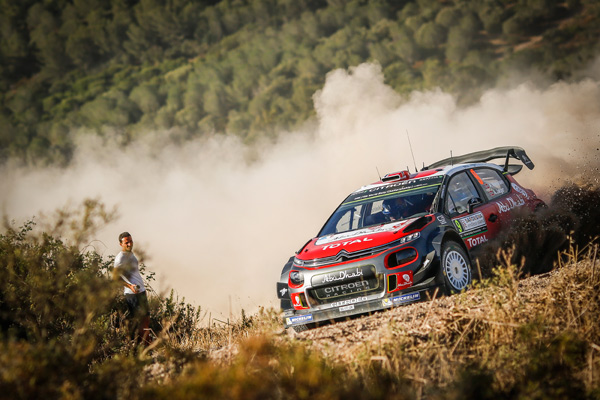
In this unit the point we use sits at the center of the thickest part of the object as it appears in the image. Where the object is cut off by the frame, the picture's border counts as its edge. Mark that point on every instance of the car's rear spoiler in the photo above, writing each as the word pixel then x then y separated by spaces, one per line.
pixel 487 155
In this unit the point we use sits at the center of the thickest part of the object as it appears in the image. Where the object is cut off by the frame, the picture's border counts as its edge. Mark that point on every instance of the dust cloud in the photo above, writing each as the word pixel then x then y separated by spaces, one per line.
pixel 218 228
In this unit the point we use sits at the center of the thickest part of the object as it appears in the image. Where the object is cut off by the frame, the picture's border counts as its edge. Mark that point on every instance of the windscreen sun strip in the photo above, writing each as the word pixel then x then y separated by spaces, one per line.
pixel 376 197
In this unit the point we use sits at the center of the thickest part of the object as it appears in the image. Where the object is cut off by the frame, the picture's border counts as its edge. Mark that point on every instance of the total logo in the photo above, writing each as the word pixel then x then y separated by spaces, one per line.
pixel 475 241
pixel 334 245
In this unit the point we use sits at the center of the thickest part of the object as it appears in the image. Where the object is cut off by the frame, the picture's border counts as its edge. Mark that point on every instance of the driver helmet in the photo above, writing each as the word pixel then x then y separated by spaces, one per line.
pixel 393 207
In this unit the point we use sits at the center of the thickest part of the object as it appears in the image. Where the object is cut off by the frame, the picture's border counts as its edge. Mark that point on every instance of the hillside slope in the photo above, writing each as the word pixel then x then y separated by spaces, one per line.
pixel 536 337
pixel 249 68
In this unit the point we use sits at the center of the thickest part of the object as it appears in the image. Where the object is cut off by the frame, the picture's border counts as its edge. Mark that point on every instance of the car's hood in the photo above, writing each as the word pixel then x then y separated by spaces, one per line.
pixel 352 241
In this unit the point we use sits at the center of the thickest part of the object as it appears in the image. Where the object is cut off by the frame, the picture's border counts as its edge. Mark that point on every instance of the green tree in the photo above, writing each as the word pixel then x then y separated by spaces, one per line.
pixel 448 17
pixel 430 35
pixel 492 14
pixel 43 28
pixel 146 97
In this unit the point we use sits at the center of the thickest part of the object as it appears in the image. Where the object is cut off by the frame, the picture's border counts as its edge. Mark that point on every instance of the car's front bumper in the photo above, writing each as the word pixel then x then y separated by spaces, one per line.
pixel 352 308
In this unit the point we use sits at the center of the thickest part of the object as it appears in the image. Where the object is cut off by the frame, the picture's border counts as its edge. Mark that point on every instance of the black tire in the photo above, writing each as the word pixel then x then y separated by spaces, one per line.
pixel 455 268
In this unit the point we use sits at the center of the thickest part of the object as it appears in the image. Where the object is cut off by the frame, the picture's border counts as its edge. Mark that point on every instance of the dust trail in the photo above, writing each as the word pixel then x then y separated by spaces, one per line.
pixel 218 228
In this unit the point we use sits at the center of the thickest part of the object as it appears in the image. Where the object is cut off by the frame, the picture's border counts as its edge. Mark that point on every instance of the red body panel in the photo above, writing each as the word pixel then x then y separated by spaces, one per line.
pixel 328 246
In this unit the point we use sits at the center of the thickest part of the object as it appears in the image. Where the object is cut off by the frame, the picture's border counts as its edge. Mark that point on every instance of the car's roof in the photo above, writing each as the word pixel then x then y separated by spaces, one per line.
pixel 419 177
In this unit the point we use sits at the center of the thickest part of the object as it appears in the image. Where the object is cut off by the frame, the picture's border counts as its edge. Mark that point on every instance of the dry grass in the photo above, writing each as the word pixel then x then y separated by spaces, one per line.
pixel 508 337
pixel 505 329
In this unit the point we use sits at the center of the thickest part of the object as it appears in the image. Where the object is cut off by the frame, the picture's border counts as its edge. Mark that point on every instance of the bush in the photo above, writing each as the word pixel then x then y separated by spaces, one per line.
pixel 63 331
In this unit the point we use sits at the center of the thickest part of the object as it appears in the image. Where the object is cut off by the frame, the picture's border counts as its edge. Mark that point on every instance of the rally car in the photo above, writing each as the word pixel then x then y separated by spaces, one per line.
pixel 396 240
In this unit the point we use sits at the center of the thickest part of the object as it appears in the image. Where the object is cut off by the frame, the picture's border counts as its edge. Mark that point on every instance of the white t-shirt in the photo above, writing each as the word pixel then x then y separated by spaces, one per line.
pixel 129 269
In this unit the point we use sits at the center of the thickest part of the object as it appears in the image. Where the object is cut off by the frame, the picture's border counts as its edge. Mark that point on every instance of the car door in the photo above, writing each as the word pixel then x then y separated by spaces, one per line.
pixel 496 189
pixel 475 219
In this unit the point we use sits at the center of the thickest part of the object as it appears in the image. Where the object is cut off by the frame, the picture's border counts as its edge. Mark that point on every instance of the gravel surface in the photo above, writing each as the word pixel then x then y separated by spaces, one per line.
pixel 344 341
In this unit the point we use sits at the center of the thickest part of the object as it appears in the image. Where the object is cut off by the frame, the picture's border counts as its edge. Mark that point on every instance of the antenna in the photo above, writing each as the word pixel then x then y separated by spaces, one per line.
pixel 378 174
pixel 451 159
pixel 411 151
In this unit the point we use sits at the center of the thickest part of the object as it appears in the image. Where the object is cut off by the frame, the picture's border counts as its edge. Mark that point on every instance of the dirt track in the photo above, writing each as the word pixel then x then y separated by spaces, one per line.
pixel 417 323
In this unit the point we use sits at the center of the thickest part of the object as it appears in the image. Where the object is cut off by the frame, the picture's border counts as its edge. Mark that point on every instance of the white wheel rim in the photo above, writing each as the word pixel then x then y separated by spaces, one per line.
pixel 456 270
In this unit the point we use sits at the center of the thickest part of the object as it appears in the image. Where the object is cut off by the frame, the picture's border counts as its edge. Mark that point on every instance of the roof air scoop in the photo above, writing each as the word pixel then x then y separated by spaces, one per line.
pixel 396 176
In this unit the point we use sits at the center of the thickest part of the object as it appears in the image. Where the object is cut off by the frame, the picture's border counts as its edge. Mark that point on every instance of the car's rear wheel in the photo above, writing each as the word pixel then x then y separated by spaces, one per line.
pixel 455 268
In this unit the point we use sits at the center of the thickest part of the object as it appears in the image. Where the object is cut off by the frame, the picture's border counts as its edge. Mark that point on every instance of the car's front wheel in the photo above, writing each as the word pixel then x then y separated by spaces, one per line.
pixel 455 268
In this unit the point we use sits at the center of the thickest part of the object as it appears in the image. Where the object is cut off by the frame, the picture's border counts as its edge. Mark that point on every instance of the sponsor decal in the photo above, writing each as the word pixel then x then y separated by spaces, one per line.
pixel 520 190
pixel 345 282
pixel 509 203
pixel 406 279
pixel 362 273
pixel 301 319
pixel 283 291
pixel 346 288
pixel 475 241
pixel 346 308
pixel 297 301
pixel 381 190
pixel 348 302
pixel 441 219
pixel 405 298
pixel 346 243
pixel 386 302
pixel 403 281
pixel 342 275
pixel 471 223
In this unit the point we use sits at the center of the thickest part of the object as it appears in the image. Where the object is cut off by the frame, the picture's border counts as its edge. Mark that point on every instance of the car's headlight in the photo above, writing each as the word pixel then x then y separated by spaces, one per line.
pixel 410 238
pixel 298 262
pixel 296 278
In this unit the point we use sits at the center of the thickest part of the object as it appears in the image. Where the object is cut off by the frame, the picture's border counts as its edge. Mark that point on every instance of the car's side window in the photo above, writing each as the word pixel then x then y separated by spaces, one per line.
pixel 491 182
pixel 460 191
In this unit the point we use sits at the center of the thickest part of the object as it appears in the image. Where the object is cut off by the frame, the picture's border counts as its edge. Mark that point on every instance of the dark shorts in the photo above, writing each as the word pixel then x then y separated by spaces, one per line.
pixel 137 304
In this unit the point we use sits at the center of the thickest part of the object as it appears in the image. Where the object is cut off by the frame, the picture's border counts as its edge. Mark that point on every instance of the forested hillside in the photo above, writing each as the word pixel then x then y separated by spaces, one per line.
pixel 250 67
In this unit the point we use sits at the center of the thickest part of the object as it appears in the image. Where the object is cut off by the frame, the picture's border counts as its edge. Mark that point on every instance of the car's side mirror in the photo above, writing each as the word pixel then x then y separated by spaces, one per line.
pixel 474 202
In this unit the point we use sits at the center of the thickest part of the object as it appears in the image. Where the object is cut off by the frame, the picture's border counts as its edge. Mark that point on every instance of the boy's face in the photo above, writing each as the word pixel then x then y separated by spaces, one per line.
pixel 127 243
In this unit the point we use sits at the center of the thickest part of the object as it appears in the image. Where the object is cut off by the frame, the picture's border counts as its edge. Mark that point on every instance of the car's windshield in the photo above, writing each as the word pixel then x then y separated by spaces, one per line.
pixel 381 207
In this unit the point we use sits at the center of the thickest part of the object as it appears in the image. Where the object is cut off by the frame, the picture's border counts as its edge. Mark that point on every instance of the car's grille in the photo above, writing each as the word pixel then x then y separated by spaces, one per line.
pixel 337 285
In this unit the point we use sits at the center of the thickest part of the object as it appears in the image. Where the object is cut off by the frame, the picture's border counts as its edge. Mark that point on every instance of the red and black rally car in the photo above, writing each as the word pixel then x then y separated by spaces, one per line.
pixel 390 242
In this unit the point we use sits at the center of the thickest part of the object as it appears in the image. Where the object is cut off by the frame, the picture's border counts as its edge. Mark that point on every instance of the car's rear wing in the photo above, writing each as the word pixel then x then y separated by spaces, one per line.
pixel 487 155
